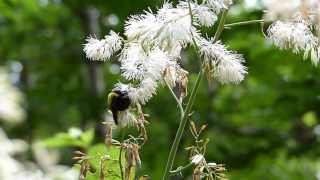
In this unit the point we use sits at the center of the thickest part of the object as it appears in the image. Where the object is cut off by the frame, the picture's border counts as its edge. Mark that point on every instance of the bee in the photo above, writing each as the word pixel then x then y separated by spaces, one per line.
pixel 118 100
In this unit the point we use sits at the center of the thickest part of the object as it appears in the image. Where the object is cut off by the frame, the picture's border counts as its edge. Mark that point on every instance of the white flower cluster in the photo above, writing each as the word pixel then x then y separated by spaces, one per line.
pixel 153 44
pixel 102 50
pixel 297 36
pixel 227 66
pixel 294 25
pixel 289 8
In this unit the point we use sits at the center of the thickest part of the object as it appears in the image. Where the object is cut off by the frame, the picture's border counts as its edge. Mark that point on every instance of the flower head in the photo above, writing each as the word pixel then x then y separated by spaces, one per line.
pixel 296 35
pixel 203 14
pixel 141 26
pixel 289 8
pixel 136 64
pixel 226 65
pixel 144 92
pixel 102 50
pixel 218 5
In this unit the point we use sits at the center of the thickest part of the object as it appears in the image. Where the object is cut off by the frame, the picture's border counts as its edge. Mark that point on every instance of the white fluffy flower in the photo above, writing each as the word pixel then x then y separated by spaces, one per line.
pixel 218 5
pixel 102 50
pixel 136 64
pixel 197 159
pixel 177 26
pixel 132 58
pixel 144 92
pixel 157 61
pixel 168 25
pixel 230 69
pixel 141 26
pixel 296 35
pixel 203 14
pixel 288 8
pixel 227 65
pixel 205 17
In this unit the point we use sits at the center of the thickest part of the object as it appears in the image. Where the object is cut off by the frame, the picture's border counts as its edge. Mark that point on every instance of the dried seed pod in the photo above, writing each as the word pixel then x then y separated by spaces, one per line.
pixel 84 168
pixel 108 136
pixel 197 173
pixel 103 166
pixel 132 158
pixel 83 160
pixel 183 83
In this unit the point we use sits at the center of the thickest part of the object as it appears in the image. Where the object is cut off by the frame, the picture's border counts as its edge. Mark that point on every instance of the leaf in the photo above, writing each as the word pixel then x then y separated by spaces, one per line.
pixel 112 170
pixel 83 140
pixel 87 137
pixel 63 140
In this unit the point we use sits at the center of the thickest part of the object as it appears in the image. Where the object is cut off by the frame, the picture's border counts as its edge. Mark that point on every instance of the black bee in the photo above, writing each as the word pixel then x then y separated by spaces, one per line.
pixel 118 100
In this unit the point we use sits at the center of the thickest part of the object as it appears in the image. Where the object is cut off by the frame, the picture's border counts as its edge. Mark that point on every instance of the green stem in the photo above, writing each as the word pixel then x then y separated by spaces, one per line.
pixel 120 154
pixel 184 119
pixel 180 169
pixel 120 163
pixel 183 122
pixel 243 23
pixel 221 25
pixel 176 98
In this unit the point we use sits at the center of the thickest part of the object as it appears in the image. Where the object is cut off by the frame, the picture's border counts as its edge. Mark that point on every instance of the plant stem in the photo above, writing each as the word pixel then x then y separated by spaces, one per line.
pixel 243 23
pixel 120 154
pixel 120 163
pixel 180 169
pixel 176 98
pixel 183 122
pixel 184 118
pixel 221 25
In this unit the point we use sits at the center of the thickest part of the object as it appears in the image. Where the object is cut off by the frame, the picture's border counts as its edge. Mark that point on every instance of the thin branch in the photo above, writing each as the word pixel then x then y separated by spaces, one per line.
pixel 221 25
pixel 180 169
pixel 176 98
pixel 262 29
pixel 244 23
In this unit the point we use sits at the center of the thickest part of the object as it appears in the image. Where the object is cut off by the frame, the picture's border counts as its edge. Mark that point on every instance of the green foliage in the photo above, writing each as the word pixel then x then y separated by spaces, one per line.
pixel 112 167
pixel 83 140
pixel 280 167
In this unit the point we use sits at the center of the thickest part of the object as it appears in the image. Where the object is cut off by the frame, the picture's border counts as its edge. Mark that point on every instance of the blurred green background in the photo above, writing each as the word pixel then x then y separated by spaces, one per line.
pixel 265 128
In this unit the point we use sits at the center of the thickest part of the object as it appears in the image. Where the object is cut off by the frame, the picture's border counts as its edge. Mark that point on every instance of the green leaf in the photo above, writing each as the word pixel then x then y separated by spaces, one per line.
pixel 63 140
pixel 87 137
pixel 112 170
pixel 74 138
